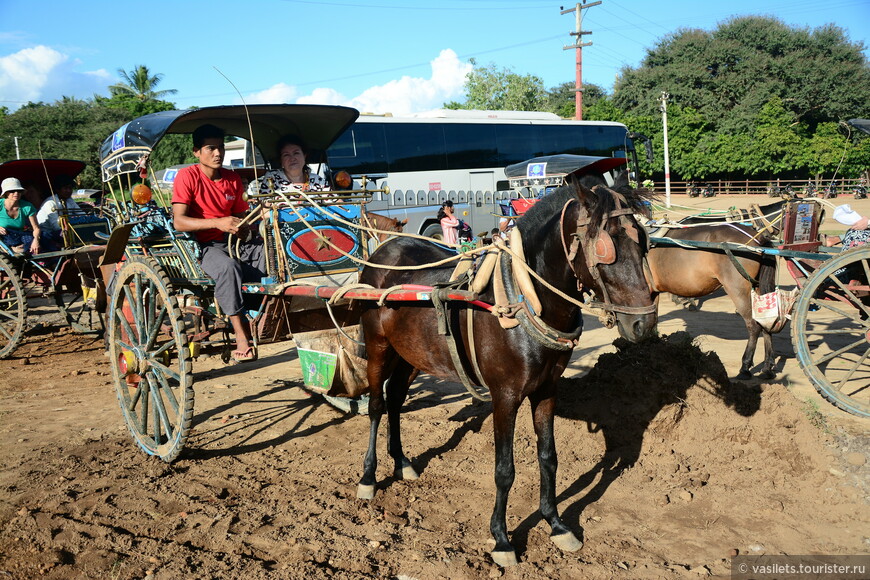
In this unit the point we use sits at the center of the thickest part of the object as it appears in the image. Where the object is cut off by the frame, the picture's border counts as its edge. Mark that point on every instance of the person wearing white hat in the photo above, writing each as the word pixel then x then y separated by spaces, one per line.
pixel 15 217
pixel 858 233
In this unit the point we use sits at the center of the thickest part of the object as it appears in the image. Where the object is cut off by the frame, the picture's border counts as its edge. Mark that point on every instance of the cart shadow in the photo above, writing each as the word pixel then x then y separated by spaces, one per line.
pixel 277 410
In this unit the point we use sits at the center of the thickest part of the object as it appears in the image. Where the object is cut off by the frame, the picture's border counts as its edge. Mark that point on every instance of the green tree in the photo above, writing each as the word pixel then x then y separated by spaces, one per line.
pixel 762 93
pixel 561 99
pixel 497 89
pixel 140 84
pixel 68 129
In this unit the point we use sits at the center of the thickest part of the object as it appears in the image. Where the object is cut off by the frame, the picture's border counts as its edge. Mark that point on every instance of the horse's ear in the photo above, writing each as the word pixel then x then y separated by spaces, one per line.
pixel 583 194
pixel 404 222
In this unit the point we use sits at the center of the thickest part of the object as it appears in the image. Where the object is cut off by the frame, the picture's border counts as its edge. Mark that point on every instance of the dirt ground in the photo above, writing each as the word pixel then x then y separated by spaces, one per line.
pixel 666 468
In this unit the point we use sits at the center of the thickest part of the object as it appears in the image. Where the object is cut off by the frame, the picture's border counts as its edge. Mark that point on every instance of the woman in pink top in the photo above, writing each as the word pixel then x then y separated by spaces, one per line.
pixel 449 222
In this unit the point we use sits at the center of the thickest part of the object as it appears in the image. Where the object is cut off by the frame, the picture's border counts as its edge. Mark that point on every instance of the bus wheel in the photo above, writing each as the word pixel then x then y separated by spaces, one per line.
pixel 433 231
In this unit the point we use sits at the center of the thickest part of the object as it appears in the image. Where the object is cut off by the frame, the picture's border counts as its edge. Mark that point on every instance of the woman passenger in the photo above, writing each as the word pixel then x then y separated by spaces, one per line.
pixel 15 215
pixel 294 172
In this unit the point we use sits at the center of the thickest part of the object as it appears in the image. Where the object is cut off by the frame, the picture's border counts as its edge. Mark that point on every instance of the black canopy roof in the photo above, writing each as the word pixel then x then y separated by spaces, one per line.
pixel 318 125
pixel 862 124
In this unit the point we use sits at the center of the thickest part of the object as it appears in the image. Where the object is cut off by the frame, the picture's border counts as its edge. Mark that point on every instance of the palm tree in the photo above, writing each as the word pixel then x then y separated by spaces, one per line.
pixel 139 83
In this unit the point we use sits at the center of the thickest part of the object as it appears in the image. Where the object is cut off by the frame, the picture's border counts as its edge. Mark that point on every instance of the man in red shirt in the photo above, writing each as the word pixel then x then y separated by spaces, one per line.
pixel 207 200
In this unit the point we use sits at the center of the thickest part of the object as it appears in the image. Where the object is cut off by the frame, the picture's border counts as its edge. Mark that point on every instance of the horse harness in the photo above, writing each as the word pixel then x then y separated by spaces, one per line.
pixel 513 307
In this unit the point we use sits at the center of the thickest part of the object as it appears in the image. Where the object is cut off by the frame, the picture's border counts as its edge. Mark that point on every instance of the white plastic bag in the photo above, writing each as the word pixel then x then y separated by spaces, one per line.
pixel 773 309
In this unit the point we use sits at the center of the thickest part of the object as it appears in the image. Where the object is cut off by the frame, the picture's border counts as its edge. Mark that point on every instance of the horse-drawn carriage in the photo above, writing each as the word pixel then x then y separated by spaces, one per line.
pixel 68 275
pixel 416 306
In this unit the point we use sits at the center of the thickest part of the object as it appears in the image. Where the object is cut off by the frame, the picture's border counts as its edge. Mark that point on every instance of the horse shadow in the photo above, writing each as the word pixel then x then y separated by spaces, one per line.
pixel 622 395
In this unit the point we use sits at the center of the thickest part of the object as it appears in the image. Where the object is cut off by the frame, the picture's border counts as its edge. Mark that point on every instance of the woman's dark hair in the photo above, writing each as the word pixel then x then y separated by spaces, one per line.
pixel 291 140
pixel 441 213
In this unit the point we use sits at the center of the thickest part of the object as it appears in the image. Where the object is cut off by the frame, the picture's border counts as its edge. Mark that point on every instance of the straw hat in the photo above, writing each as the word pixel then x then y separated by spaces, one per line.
pixel 843 214
pixel 11 184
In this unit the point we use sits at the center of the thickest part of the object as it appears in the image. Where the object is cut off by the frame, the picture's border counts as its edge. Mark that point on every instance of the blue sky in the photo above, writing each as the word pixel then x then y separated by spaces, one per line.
pixel 398 56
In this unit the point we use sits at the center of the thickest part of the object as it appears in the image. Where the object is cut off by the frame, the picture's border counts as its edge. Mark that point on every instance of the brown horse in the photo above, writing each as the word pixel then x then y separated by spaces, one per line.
pixel 384 224
pixel 694 273
pixel 561 234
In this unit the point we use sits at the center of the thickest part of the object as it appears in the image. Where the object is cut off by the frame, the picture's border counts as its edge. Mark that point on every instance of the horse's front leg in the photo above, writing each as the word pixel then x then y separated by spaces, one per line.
pixel 543 407
pixel 397 392
pixel 504 422
pixel 375 373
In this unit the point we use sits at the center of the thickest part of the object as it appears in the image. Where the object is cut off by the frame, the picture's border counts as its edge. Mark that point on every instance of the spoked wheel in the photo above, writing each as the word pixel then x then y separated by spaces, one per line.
pixel 80 315
pixel 150 362
pixel 831 330
pixel 13 309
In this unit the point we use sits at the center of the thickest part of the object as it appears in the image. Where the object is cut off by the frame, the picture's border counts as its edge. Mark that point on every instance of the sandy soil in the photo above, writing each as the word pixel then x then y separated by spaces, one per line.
pixel 666 468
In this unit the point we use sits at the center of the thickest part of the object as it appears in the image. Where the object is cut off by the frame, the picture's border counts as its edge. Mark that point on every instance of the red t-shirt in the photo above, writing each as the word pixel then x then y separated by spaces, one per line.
pixel 207 199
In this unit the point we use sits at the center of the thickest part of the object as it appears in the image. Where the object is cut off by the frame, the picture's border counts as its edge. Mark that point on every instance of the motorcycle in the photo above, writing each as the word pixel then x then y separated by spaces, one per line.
pixel 831 192
pixel 859 190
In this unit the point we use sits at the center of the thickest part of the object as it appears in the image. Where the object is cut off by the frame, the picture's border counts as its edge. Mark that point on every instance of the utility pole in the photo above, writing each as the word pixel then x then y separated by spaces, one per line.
pixel 578 47
pixel 17 153
pixel 664 110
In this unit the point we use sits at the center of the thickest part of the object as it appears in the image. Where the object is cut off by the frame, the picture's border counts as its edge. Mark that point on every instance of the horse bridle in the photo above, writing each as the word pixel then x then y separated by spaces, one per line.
pixel 602 251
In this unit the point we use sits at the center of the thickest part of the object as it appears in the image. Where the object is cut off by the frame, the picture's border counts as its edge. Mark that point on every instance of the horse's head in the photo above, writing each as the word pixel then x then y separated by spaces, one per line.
pixel 385 225
pixel 606 249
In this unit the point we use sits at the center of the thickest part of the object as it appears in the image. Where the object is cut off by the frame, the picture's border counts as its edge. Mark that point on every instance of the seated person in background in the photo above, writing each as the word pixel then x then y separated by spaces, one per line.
pixel 294 172
pixel 858 233
pixel 208 199
pixel 15 216
pixel 32 194
pixel 57 204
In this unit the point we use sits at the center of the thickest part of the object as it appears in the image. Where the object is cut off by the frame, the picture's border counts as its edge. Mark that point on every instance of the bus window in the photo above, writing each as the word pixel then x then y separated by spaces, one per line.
pixel 470 146
pixel 360 149
pixel 517 143
pixel 415 147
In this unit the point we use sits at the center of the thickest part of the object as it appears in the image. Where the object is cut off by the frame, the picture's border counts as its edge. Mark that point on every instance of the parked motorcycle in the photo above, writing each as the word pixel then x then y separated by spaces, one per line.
pixel 860 189
pixel 830 192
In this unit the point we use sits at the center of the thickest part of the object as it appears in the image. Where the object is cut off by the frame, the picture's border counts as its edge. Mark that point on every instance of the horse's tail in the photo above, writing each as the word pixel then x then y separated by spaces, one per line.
pixel 767 272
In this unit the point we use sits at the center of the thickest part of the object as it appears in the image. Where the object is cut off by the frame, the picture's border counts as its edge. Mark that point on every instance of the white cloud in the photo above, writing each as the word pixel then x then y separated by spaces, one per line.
pixel 280 93
pixel 42 73
pixel 400 97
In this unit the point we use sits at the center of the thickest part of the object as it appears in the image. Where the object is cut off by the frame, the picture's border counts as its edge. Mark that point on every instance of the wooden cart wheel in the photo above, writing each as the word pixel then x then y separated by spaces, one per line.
pixel 831 330
pixel 150 362
pixel 13 309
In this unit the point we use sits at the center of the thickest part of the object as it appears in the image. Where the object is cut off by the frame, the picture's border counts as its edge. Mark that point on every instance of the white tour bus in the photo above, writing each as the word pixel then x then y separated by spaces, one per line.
pixel 460 155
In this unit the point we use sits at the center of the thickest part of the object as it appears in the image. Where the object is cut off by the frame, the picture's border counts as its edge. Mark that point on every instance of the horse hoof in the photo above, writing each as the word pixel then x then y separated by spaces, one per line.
pixel 505 559
pixel 767 375
pixel 567 542
pixel 365 491
pixel 408 473
pixel 744 376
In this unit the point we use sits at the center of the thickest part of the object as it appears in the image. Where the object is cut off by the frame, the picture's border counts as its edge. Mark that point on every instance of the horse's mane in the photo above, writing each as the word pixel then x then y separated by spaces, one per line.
pixel 603 202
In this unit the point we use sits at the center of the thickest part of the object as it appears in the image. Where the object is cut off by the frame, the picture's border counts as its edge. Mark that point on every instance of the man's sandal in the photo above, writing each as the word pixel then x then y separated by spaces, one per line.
pixel 241 356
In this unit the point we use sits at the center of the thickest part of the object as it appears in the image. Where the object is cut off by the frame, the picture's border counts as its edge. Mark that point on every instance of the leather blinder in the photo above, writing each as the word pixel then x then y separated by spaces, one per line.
pixel 604 251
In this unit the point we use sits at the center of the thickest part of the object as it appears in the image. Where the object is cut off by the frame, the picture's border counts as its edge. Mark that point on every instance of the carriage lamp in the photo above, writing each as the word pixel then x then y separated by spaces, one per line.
pixel 343 180
pixel 141 194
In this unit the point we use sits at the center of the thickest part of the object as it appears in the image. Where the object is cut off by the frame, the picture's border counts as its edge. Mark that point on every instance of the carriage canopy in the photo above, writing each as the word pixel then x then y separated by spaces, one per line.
pixel 126 150
pixel 40 172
